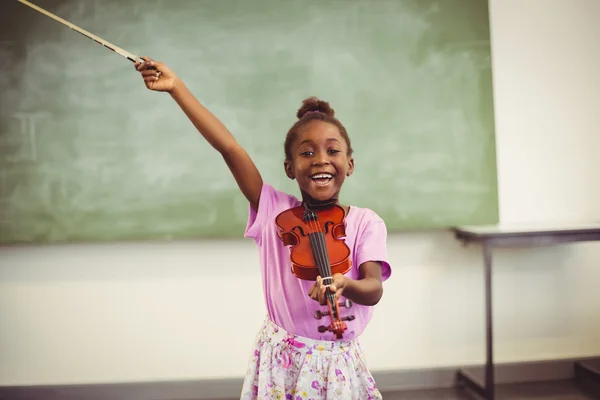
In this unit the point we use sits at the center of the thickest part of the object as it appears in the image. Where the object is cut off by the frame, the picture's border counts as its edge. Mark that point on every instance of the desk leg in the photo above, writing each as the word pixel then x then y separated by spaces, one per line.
pixel 489 364
pixel 463 377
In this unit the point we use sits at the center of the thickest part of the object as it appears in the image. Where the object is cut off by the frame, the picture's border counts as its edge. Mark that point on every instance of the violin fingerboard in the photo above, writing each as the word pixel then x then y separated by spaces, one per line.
pixel 317 243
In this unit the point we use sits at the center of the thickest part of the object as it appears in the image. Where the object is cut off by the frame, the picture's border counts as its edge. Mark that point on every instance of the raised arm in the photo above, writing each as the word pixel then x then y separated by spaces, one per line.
pixel 158 77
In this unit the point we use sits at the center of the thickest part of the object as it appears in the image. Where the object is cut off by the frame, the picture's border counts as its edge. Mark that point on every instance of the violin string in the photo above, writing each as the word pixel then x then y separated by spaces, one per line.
pixel 320 249
pixel 327 268
pixel 317 251
pixel 330 294
pixel 323 263
pixel 319 259
pixel 318 244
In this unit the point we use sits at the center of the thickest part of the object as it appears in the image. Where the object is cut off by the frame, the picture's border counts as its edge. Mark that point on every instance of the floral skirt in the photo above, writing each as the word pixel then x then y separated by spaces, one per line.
pixel 289 367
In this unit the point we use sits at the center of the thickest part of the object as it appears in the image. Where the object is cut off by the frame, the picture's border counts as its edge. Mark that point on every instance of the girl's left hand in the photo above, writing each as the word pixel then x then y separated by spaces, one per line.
pixel 317 291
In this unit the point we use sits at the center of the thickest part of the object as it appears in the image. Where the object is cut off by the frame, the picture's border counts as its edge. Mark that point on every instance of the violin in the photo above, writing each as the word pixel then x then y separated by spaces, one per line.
pixel 318 249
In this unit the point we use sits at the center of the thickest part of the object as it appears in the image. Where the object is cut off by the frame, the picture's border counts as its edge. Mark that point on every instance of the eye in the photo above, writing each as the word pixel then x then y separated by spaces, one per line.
pixel 333 151
pixel 307 153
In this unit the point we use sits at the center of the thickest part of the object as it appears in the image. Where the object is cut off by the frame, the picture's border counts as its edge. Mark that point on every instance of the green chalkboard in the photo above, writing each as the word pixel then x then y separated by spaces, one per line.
pixel 87 153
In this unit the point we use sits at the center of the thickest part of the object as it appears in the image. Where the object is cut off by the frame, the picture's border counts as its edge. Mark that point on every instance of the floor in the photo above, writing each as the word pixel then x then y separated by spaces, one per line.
pixel 555 390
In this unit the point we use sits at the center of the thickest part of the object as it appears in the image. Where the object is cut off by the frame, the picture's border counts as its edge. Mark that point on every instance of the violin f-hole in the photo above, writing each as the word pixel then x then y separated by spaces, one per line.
pixel 326 226
pixel 299 228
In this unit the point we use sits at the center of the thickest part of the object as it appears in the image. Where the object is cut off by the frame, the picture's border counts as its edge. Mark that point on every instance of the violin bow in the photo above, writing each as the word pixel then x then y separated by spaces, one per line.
pixel 131 57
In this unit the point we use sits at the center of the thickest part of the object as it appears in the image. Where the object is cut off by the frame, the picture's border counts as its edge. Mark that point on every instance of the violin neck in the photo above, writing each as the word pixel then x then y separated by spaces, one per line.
pixel 317 242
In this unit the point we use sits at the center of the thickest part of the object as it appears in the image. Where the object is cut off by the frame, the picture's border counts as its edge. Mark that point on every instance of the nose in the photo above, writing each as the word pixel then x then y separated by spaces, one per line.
pixel 321 158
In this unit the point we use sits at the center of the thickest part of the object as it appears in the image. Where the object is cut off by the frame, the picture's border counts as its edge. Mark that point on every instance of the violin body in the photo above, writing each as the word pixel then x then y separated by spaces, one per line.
pixel 318 248
pixel 294 231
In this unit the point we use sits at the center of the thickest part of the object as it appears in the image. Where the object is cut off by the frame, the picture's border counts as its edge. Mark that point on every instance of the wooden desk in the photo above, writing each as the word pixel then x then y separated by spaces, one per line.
pixel 517 236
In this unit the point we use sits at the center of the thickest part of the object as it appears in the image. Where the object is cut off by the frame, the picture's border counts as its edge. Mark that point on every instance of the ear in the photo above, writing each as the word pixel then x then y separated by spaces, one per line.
pixel 289 170
pixel 350 166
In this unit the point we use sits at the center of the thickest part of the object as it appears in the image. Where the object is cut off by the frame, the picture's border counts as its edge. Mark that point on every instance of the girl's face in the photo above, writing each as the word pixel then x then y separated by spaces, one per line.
pixel 320 161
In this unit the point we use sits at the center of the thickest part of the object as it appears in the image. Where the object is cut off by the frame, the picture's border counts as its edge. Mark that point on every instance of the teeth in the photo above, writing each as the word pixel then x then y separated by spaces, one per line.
pixel 322 176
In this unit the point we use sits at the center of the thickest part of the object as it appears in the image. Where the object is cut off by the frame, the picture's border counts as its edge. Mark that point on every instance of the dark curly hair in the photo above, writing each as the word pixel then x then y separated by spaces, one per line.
pixel 313 109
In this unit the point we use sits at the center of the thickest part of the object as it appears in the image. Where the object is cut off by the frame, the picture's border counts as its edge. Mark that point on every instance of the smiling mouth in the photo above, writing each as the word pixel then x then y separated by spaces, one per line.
pixel 322 178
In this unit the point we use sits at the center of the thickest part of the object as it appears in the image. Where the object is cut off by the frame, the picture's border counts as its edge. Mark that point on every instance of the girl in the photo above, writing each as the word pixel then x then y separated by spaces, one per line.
pixel 291 358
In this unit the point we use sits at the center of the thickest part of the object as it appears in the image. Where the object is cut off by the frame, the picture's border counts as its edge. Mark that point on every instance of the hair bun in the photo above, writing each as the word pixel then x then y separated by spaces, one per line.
pixel 313 104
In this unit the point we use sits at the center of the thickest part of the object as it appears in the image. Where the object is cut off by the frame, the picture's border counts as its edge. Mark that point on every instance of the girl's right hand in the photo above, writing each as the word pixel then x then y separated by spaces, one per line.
pixel 157 76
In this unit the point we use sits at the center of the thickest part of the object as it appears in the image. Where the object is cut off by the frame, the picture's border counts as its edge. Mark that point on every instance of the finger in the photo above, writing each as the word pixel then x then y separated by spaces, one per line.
pixel 139 64
pixel 150 78
pixel 149 72
pixel 145 63
pixel 318 298
pixel 322 298
pixel 153 76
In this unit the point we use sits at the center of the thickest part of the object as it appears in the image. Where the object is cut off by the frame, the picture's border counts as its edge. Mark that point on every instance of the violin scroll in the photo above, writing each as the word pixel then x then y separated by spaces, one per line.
pixel 337 326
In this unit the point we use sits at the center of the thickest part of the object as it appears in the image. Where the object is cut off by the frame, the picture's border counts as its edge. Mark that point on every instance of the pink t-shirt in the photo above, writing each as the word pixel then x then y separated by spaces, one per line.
pixel 286 296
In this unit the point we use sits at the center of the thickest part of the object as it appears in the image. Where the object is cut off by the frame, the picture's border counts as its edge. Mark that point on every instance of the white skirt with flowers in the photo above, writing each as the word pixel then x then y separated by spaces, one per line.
pixel 289 367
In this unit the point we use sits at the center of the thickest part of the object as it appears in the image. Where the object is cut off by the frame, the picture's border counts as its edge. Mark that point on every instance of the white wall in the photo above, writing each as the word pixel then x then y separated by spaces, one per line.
pixel 129 312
